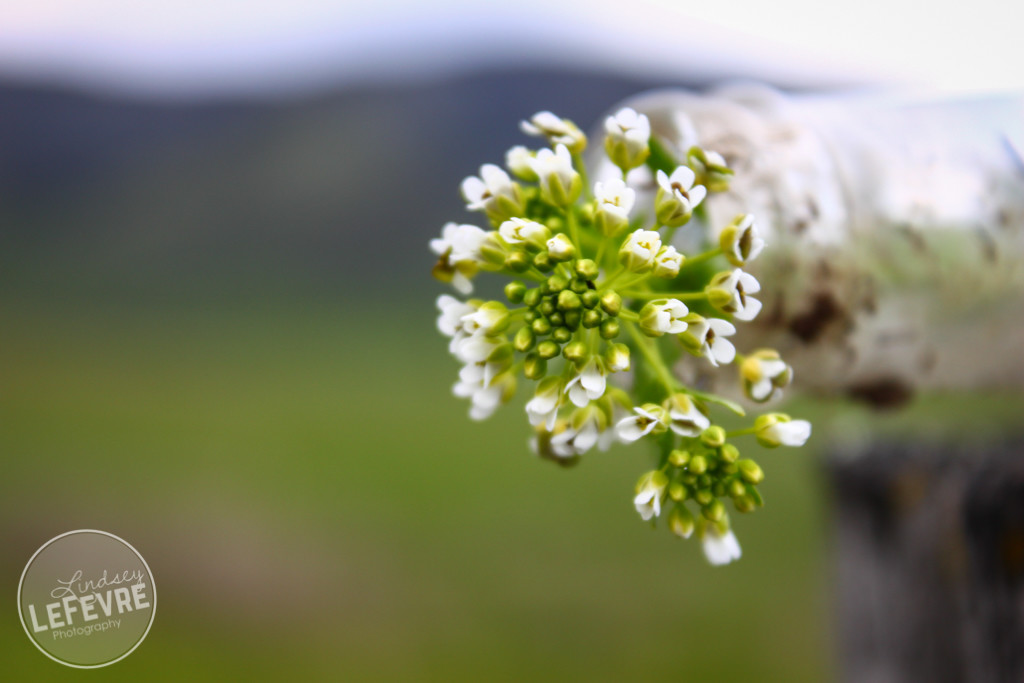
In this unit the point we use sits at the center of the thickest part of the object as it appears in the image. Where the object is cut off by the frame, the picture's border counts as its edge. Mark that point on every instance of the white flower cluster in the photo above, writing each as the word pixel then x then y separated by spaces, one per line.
pixel 586 265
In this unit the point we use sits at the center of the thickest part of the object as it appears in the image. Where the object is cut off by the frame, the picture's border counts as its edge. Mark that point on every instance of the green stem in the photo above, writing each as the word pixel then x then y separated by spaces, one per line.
pixel 650 352
pixel 682 296
pixel 574 231
pixel 700 258
pixel 581 168
pixel 741 432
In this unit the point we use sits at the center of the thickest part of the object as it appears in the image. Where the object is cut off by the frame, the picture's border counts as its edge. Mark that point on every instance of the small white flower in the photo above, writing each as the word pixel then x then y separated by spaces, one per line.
pixel 677 196
pixel 485 389
pixel 776 429
pixel 557 130
pixel 588 385
pixel 576 440
pixel 729 291
pixel 614 202
pixel 542 409
pixel 639 250
pixel 649 492
pixel 517 160
pixel 492 192
pixel 684 418
pixel 707 337
pixel 475 348
pixel 668 262
pixel 720 548
pixel 459 248
pixel 663 316
pixel 560 183
pixel 645 420
pixel 449 323
pixel 520 230
pixel 560 248
pixel 627 138
pixel 740 240
pixel 488 319
pixel 765 375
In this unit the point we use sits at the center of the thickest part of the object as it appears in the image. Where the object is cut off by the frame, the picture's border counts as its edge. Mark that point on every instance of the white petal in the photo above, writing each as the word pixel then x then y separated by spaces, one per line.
pixel 750 311
pixel 462 284
pixel 697 195
pixel 761 389
pixel 723 351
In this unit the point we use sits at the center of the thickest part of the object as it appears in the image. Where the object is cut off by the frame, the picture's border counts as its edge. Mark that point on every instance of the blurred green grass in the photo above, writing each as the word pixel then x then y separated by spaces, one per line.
pixel 314 503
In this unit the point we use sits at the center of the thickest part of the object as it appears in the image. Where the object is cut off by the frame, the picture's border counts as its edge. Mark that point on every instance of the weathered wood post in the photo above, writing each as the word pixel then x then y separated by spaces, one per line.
pixel 897 266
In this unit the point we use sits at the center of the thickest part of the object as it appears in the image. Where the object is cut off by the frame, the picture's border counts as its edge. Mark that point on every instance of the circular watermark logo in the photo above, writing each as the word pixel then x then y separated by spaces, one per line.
pixel 86 599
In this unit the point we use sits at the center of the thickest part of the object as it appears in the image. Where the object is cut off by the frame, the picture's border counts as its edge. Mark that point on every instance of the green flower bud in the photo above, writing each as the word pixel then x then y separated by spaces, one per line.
pixel 750 471
pixel 587 269
pixel 590 298
pixel 524 339
pixel 704 496
pixel 556 319
pixel 677 492
pixel 535 367
pixel 541 326
pixel 561 334
pixel 698 464
pixel 736 488
pixel 610 329
pixel 679 458
pixel 611 303
pixel 514 291
pixel 744 503
pixel 569 300
pixel 573 319
pixel 556 283
pixel 532 297
pixel 546 307
pixel 713 511
pixel 713 436
pixel 680 521
pixel 517 261
pixel 729 452
pixel 543 262
pixel 591 319
pixel 617 357
pixel 579 286
pixel 576 351
pixel 548 349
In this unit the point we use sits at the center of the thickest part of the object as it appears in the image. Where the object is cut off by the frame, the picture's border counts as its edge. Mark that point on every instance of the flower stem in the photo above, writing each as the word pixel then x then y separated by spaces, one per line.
pixel 700 258
pixel 650 352
pixel 681 296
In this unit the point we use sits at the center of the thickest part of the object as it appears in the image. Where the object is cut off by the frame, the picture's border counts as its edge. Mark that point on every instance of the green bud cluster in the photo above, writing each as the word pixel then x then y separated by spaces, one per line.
pixel 708 471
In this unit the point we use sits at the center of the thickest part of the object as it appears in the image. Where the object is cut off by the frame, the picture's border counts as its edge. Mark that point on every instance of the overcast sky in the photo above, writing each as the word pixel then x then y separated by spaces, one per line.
pixel 217 46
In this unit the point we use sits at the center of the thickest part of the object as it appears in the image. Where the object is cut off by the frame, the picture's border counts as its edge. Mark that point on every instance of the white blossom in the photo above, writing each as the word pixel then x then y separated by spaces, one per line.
pixel 560 248
pixel 677 196
pixel 663 316
pixel 493 192
pixel 614 202
pixel 517 160
pixel 627 138
pixel 730 291
pixel 668 262
pixel 520 230
pixel 644 421
pixel 576 440
pixel 459 249
pixel 588 385
pixel 649 492
pixel 776 429
pixel 557 130
pixel 490 318
pixel 707 337
pixel 720 548
pixel 740 241
pixel 450 321
pixel 559 182
pixel 618 357
pixel 485 392
pixel 542 409
pixel 765 375
pixel 684 418
pixel 639 250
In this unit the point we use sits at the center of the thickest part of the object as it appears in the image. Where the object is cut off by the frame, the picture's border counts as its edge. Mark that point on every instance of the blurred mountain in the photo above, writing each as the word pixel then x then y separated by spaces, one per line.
pixel 138 197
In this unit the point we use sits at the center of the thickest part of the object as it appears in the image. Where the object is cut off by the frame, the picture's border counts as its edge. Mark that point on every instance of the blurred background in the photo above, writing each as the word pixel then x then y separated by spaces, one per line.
pixel 217 335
